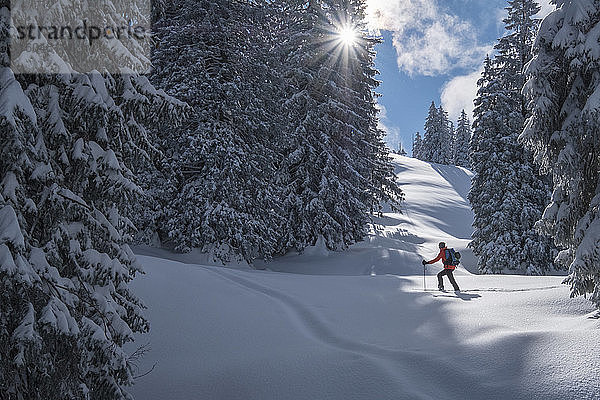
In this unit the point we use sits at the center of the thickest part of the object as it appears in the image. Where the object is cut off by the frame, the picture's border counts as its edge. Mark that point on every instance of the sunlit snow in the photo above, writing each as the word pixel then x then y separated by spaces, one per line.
pixel 359 324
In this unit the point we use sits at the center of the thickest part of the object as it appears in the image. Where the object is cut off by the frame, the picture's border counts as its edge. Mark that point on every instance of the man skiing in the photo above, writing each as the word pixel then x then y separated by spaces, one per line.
pixel 448 269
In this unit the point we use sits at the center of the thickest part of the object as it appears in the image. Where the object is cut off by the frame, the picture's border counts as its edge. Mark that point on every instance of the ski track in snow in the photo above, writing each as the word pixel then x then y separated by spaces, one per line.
pixel 505 290
pixel 315 329
pixel 413 363
pixel 512 290
pixel 310 324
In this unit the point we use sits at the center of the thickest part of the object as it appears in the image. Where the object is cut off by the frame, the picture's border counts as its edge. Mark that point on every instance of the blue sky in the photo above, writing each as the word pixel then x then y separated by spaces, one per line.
pixel 431 50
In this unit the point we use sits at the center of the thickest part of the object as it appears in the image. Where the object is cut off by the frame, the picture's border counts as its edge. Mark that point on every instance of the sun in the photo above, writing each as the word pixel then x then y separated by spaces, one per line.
pixel 347 35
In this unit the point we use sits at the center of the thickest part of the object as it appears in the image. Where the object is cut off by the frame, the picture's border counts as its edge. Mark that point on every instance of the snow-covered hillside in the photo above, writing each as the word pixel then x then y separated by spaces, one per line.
pixel 436 209
pixel 358 325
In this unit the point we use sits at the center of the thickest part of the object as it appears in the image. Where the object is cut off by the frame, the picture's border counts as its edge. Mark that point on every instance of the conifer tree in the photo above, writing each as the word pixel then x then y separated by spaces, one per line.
pixel 445 147
pixel 336 166
pixel 437 140
pixel 223 158
pixel 507 193
pixel 264 168
pixel 462 141
pixel 482 104
pixel 417 146
pixel 452 143
pixel 430 135
pixel 564 131
pixel 69 142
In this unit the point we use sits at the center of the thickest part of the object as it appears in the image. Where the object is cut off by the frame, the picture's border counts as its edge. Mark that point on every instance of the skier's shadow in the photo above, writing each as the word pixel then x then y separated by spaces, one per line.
pixel 468 296
pixel 461 295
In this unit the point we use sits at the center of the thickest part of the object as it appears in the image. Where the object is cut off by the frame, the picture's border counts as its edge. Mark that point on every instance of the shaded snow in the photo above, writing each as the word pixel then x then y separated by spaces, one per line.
pixel 358 325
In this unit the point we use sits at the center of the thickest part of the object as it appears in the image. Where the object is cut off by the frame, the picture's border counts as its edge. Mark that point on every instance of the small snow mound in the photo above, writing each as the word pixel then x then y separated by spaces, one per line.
pixel 319 249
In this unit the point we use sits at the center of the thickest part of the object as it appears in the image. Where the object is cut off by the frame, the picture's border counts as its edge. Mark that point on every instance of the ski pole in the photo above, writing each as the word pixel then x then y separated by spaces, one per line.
pixel 424 287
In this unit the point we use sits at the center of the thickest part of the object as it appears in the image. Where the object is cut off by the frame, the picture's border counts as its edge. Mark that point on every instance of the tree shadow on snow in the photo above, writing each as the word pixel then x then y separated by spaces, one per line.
pixel 457 177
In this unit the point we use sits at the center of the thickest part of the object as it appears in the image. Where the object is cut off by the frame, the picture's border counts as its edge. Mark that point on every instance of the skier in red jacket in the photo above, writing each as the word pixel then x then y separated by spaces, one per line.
pixel 448 269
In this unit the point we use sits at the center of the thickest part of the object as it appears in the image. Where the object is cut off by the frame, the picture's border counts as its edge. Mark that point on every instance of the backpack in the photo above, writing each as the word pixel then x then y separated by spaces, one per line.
pixel 452 257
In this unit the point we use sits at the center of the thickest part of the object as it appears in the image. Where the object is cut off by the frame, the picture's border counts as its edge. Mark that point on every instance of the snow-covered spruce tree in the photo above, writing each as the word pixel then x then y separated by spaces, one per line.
pixel 417 146
pixel 363 148
pixel 437 140
pixel 430 133
pixel 462 139
pixel 213 55
pixel 482 103
pixel 66 309
pixel 507 194
pixel 564 131
pixel 495 239
pixel 445 151
pixel 336 167
pixel 452 131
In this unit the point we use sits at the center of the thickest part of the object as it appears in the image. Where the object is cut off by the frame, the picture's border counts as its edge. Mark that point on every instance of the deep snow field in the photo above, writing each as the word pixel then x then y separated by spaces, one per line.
pixel 358 324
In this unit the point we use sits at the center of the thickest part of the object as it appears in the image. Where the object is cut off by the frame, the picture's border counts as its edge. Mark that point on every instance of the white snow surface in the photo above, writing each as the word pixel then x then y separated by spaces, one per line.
pixel 358 324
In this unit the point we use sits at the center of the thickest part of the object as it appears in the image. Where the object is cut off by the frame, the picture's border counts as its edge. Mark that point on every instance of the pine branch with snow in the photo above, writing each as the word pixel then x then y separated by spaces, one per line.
pixel 69 143
pixel 563 93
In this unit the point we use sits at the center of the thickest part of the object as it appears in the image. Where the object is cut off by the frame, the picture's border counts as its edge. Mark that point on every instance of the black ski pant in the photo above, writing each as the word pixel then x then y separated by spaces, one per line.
pixel 450 274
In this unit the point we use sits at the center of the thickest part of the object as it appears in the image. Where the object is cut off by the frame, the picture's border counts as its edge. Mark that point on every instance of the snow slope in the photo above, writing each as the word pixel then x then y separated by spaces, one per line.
pixel 436 209
pixel 358 325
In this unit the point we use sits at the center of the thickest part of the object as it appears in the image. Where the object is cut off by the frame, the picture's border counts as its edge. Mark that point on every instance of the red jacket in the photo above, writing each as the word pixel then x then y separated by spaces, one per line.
pixel 442 256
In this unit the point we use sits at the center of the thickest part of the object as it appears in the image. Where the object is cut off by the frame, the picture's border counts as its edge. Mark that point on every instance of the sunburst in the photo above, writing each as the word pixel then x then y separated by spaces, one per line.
pixel 347 35
pixel 339 44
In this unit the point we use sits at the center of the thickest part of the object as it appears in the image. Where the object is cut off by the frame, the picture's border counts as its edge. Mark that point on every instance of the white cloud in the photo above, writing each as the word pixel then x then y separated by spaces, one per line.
pixel 458 94
pixel 428 40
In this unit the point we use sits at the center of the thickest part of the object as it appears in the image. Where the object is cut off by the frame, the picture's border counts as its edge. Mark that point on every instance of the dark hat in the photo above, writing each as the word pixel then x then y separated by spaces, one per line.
pixel 442 245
